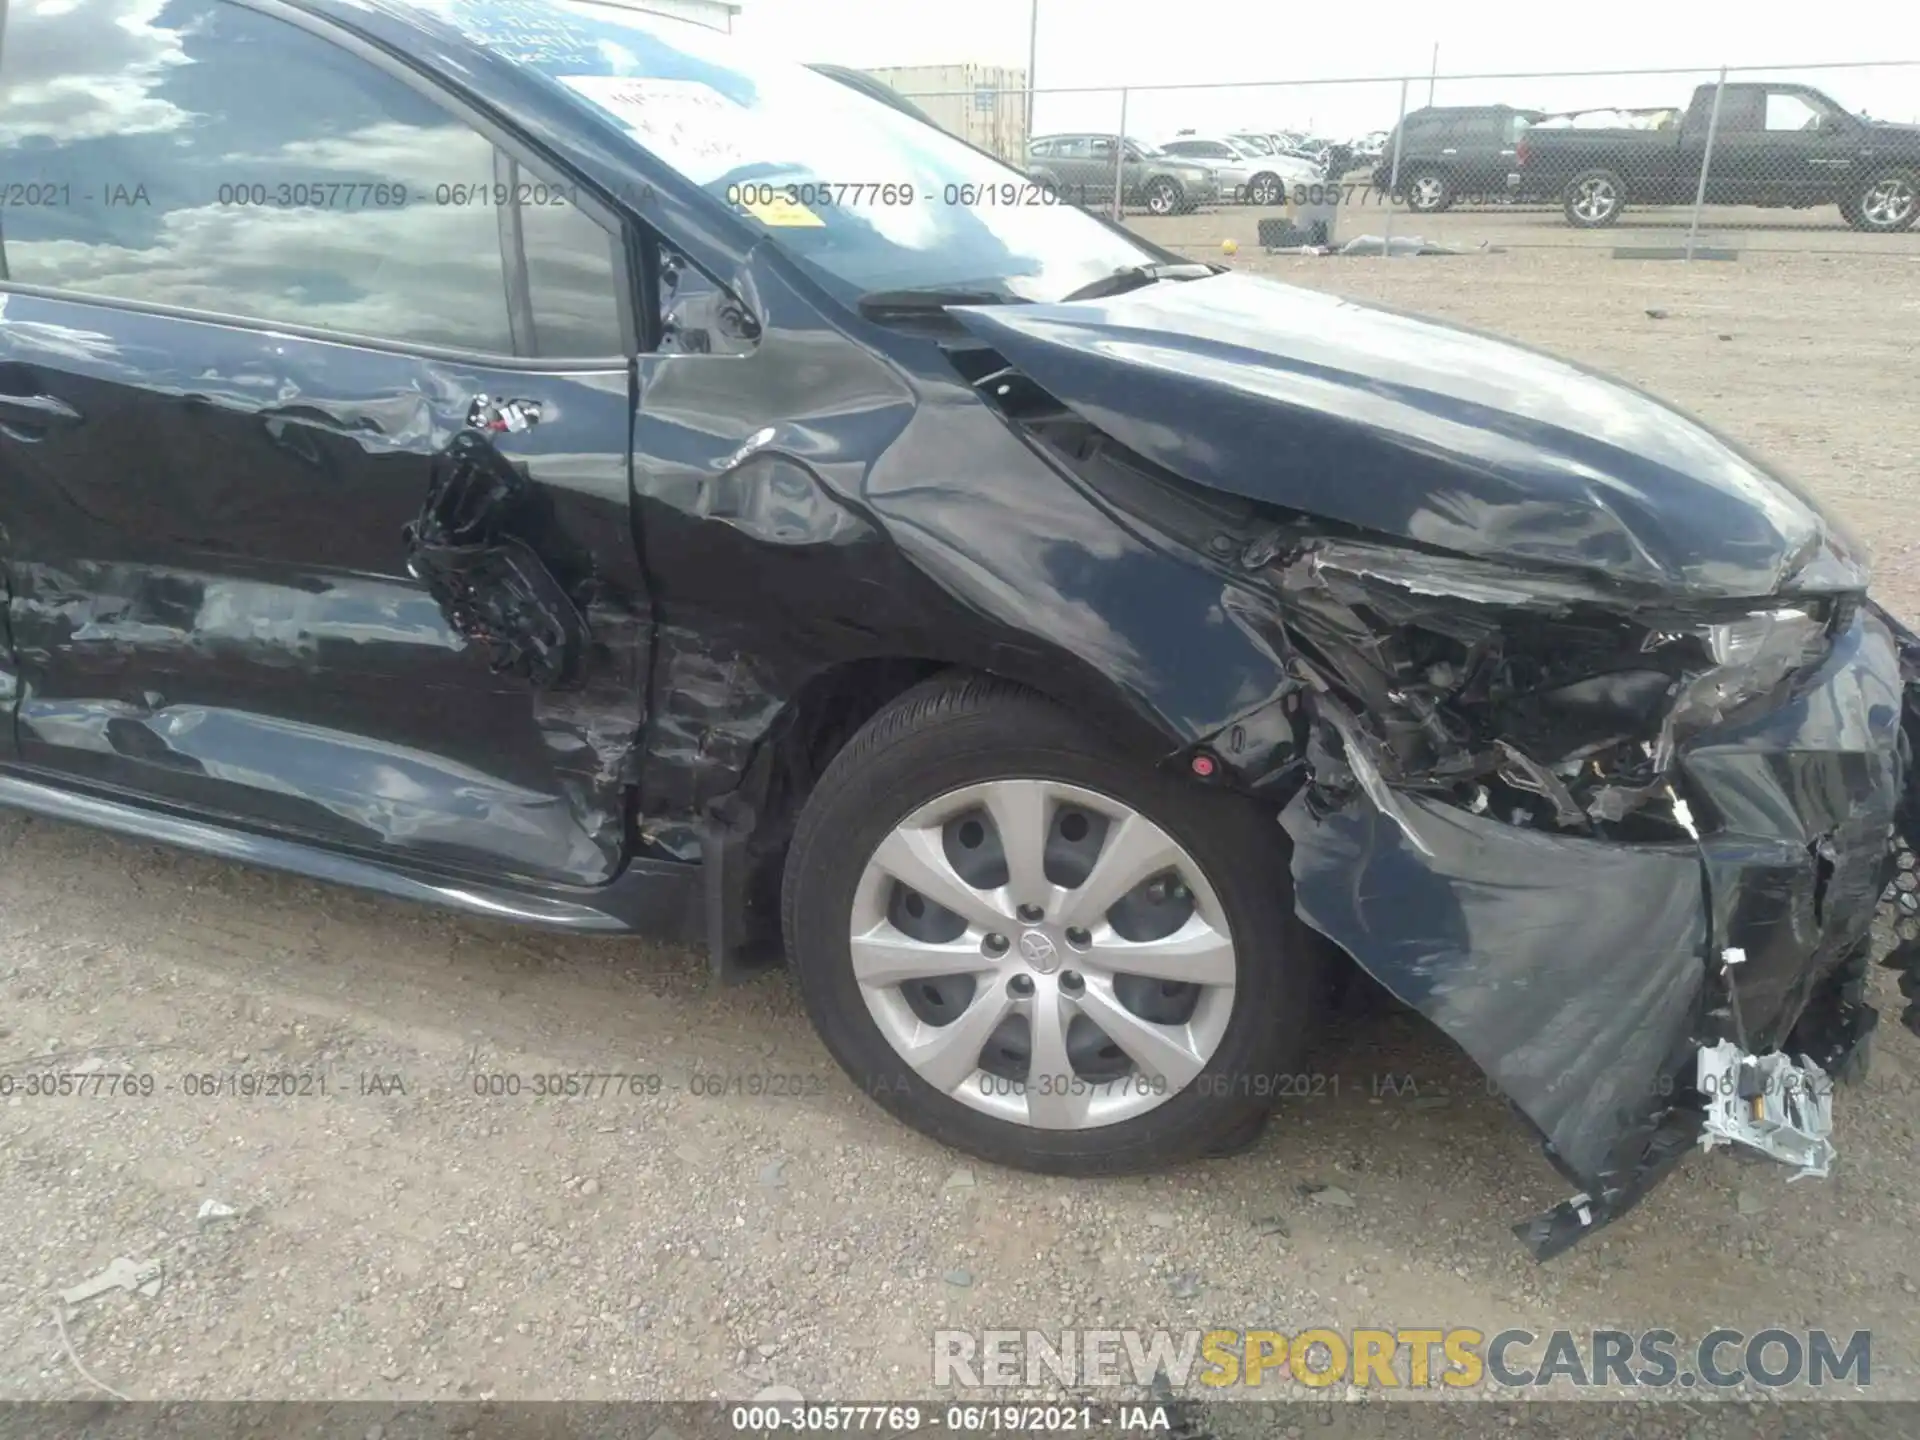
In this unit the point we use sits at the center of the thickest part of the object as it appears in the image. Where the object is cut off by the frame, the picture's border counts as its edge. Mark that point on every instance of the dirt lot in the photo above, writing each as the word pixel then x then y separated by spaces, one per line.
pixel 402 1235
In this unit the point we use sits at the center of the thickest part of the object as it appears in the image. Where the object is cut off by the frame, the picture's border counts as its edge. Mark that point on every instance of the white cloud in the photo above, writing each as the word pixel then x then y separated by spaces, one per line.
pixel 75 72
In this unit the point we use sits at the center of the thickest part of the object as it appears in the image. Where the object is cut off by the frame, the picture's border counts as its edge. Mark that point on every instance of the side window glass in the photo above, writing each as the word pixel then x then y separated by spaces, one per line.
pixel 1787 111
pixel 698 317
pixel 572 285
pixel 214 158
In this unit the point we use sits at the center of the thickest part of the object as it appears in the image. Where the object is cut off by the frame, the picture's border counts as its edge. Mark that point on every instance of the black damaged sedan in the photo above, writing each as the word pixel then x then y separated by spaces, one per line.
pixel 559 465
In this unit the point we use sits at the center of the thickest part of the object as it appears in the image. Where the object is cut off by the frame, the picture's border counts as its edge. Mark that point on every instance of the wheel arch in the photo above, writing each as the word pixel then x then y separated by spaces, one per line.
pixel 750 829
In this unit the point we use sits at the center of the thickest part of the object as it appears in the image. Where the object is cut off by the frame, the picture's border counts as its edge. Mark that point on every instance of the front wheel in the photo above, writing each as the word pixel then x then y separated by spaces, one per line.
pixel 1163 197
pixel 1595 198
pixel 1264 189
pixel 1429 192
pixel 1887 201
pixel 1037 951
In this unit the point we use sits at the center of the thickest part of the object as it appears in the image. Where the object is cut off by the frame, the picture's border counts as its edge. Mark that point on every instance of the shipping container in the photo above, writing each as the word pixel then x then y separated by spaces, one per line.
pixel 985 104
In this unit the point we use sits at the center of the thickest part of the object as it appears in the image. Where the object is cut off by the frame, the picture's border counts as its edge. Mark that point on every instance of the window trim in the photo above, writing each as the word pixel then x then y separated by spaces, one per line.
pixel 505 143
pixel 1821 113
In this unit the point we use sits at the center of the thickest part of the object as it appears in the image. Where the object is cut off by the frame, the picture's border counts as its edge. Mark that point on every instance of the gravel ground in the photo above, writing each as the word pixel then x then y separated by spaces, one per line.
pixel 738 1217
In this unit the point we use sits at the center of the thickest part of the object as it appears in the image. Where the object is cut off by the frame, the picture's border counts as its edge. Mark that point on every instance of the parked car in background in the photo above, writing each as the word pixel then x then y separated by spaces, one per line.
pixel 1336 158
pixel 1288 142
pixel 1245 174
pixel 1081 165
pixel 1776 145
pixel 1446 151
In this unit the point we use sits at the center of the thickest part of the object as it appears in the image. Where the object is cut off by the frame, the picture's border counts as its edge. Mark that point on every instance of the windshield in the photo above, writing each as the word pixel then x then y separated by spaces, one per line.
pixel 865 197
pixel 1254 144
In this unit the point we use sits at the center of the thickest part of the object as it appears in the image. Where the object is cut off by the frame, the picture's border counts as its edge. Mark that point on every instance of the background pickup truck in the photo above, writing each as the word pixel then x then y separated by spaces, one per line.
pixel 1773 145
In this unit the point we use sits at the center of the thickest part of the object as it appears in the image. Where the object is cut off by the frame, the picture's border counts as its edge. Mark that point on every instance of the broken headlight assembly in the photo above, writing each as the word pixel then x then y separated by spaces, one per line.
pixel 1538 699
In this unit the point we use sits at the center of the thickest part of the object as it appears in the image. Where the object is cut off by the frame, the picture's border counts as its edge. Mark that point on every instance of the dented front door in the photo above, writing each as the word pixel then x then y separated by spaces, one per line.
pixel 212 601
pixel 233 341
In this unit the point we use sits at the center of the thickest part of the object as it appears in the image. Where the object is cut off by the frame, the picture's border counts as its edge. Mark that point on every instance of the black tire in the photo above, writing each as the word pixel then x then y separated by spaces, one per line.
pixel 1885 202
pixel 958 730
pixel 1594 198
pixel 1265 189
pixel 1165 197
pixel 1429 192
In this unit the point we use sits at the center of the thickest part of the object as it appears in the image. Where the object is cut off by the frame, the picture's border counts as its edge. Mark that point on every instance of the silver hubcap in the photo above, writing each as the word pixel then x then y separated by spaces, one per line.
pixel 1043 954
pixel 1594 200
pixel 1161 200
pixel 1426 192
pixel 1889 203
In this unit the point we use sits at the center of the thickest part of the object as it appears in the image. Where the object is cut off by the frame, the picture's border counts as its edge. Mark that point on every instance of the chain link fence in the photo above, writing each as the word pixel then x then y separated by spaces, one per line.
pixel 1809 158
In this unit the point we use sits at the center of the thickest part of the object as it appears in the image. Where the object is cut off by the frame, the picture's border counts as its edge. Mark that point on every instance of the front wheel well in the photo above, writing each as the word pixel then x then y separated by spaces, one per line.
pixel 752 829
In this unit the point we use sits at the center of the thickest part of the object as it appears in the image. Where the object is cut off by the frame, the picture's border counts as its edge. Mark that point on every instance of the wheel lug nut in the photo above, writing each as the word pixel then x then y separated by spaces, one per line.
pixel 1071 982
pixel 1078 938
pixel 1032 914
pixel 994 944
pixel 1021 985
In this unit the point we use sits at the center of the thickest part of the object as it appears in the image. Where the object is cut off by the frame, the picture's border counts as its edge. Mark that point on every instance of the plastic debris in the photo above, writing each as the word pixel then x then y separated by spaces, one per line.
pixel 144 1276
pixel 1769 1104
pixel 1395 245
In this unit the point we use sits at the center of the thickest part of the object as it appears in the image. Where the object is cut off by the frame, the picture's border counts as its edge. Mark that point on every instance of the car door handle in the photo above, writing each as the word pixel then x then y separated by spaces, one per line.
pixel 28 417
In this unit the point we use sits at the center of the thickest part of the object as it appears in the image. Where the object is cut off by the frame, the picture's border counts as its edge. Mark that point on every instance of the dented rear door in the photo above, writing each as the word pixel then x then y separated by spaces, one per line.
pixel 255 347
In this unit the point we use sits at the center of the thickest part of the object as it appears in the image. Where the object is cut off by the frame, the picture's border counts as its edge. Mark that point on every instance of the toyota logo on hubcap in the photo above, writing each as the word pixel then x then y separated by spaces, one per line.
pixel 1037 950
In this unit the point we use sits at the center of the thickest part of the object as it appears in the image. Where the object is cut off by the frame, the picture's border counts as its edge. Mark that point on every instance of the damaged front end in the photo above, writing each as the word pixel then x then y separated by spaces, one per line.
pixel 1589 742
pixel 1594 835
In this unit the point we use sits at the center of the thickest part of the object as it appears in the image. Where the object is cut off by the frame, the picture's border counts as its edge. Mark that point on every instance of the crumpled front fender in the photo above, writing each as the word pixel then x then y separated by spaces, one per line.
pixel 1582 974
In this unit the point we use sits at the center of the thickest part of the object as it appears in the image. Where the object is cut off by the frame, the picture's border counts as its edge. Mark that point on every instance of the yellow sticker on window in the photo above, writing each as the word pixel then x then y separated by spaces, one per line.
pixel 777 209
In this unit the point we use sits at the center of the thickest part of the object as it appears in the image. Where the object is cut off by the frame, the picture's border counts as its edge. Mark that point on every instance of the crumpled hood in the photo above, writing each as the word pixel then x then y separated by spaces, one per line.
pixel 1424 431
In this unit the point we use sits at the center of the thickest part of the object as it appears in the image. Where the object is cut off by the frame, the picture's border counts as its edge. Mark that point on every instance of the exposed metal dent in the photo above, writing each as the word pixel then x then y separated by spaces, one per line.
pixel 657 897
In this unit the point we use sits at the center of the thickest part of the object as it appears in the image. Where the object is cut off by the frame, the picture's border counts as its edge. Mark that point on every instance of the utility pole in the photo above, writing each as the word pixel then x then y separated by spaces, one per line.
pixel 1033 50
pixel 1433 71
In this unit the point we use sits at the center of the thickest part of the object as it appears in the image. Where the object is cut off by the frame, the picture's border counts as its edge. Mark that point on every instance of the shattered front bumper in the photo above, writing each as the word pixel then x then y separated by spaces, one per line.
pixel 1584 975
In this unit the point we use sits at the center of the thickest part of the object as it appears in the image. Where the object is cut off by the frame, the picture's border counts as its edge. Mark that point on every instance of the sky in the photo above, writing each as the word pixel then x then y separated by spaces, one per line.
pixel 1129 42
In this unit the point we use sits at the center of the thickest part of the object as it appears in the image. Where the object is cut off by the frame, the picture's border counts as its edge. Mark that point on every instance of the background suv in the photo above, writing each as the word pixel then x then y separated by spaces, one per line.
pixel 1450 151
